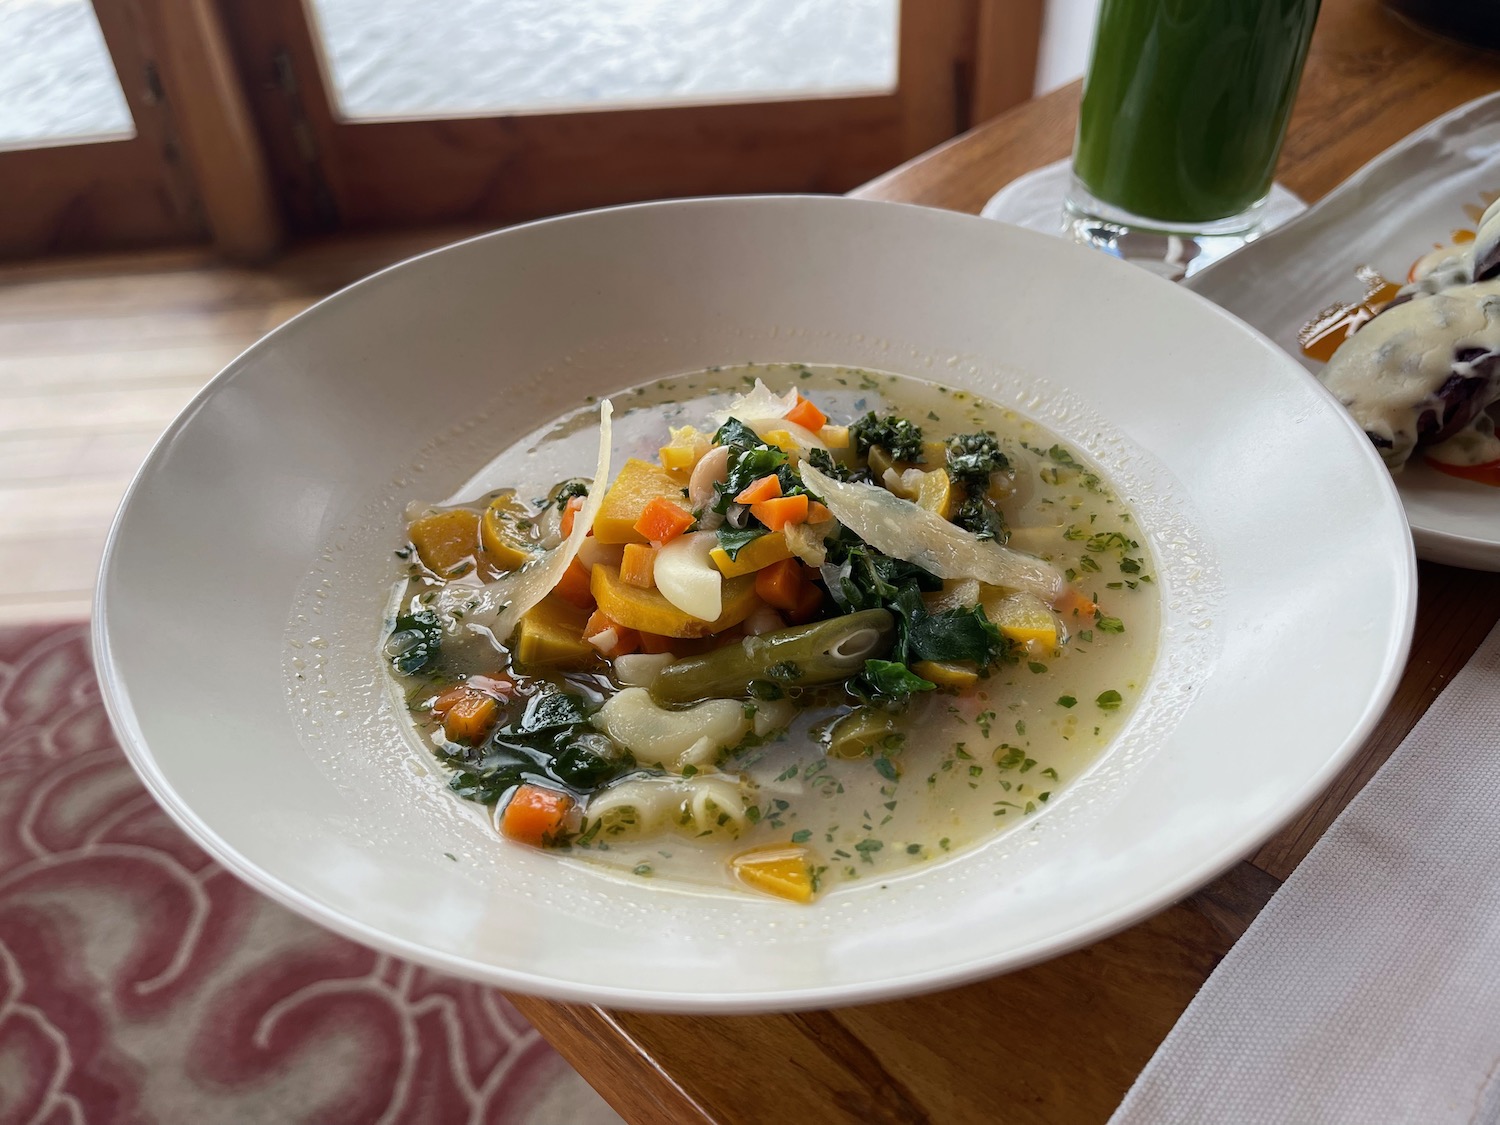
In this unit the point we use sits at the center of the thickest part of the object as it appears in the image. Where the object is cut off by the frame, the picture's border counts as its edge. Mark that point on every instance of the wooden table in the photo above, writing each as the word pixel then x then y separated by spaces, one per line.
pixel 1061 1042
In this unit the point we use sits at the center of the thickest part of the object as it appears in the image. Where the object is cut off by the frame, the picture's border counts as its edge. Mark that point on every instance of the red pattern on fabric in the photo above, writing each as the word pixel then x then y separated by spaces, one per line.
pixel 141 983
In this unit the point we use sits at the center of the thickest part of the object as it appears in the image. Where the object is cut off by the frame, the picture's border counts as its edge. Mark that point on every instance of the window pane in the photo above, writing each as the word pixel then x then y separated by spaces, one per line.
pixel 56 78
pixel 403 58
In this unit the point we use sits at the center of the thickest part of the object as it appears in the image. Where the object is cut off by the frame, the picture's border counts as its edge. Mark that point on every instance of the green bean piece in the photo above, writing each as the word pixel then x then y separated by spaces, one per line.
pixel 824 652
pixel 860 733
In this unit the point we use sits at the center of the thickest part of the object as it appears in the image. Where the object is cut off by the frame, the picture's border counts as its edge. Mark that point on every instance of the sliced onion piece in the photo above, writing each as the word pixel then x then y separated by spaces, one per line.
pixel 905 531
pixel 498 606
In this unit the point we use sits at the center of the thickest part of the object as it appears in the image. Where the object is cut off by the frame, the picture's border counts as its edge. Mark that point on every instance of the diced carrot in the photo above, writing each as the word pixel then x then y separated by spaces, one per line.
pixel 777 513
pixel 441 704
pixel 655 642
pixel 661 521
pixel 467 713
pixel 638 565
pixel 695 646
pixel 570 513
pixel 470 719
pixel 806 415
pixel 780 584
pixel 1071 603
pixel 682 646
pixel 767 488
pixel 574 586
pixel 499 685
pixel 817 513
pixel 610 637
pixel 809 604
pixel 535 815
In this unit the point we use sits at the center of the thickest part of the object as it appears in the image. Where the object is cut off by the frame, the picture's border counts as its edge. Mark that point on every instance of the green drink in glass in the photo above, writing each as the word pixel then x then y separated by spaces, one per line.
pixel 1184 109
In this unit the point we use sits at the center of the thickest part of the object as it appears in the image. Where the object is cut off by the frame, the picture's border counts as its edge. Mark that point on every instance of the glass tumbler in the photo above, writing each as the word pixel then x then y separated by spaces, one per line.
pixel 1185 107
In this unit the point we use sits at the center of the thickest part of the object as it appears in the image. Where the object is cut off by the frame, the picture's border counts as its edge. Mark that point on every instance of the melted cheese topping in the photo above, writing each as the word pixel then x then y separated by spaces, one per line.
pixel 1389 374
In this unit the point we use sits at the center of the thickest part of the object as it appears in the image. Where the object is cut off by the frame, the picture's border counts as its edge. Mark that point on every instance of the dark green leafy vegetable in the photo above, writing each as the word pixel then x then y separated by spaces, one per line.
pixel 736 435
pixel 860 577
pixel 568 490
pixel 551 710
pixel 414 642
pixel 899 437
pixel 588 761
pixel 961 633
pixel 745 468
pixel 749 460
pixel 972 458
pixel 982 519
pixel 1109 700
pixel 886 683
pixel 823 461
pixel 551 741
pixel 735 540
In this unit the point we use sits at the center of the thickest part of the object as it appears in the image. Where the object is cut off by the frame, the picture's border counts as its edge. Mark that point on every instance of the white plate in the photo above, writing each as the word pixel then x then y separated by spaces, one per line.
pixel 1395 208
pixel 245 580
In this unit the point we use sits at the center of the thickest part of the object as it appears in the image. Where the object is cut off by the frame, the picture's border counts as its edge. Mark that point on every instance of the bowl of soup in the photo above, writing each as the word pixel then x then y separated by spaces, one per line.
pixel 748 604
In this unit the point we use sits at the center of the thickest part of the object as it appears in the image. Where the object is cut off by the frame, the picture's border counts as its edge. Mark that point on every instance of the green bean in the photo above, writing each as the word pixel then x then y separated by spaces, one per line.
pixel 860 733
pixel 822 653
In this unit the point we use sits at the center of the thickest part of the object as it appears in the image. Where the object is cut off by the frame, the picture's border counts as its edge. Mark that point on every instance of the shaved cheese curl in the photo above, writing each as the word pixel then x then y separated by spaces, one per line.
pixel 905 531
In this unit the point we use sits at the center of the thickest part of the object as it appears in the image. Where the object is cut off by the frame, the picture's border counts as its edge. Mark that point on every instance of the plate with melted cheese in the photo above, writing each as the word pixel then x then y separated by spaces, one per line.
pixel 1388 292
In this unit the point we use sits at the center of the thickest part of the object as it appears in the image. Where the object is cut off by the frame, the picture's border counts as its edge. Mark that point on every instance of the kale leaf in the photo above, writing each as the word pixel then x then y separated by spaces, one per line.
pixel 414 642
pixel 553 709
pixel 888 683
pixel 973 457
pixel 568 490
pixel 897 436
pixel 982 519
pixel 750 459
pixel 823 461
pixel 860 577
pixel 961 633
pixel 745 468
pixel 737 436
pixel 552 741
pixel 734 540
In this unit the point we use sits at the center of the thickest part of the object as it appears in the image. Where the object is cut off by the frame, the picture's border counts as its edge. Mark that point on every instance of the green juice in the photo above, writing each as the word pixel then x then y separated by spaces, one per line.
pixel 1186 103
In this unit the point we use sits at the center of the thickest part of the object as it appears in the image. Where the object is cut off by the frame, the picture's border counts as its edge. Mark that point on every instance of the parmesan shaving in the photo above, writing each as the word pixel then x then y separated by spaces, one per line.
pixel 498 606
pixel 905 531
pixel 761 405
pixel 765 412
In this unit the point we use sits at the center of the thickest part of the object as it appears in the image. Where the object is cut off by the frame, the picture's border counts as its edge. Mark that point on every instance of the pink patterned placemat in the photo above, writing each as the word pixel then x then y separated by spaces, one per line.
pixel 142 983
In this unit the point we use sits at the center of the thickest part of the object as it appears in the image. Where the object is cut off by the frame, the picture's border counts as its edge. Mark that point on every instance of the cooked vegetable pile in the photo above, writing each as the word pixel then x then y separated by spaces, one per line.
pixel 644 630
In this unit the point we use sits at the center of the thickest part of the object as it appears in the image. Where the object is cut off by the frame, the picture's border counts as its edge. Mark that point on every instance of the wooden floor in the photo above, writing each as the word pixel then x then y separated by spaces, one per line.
pixel 96 357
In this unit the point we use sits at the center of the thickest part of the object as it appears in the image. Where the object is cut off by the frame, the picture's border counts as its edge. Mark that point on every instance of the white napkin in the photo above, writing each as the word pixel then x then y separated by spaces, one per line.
pixel 1368 989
